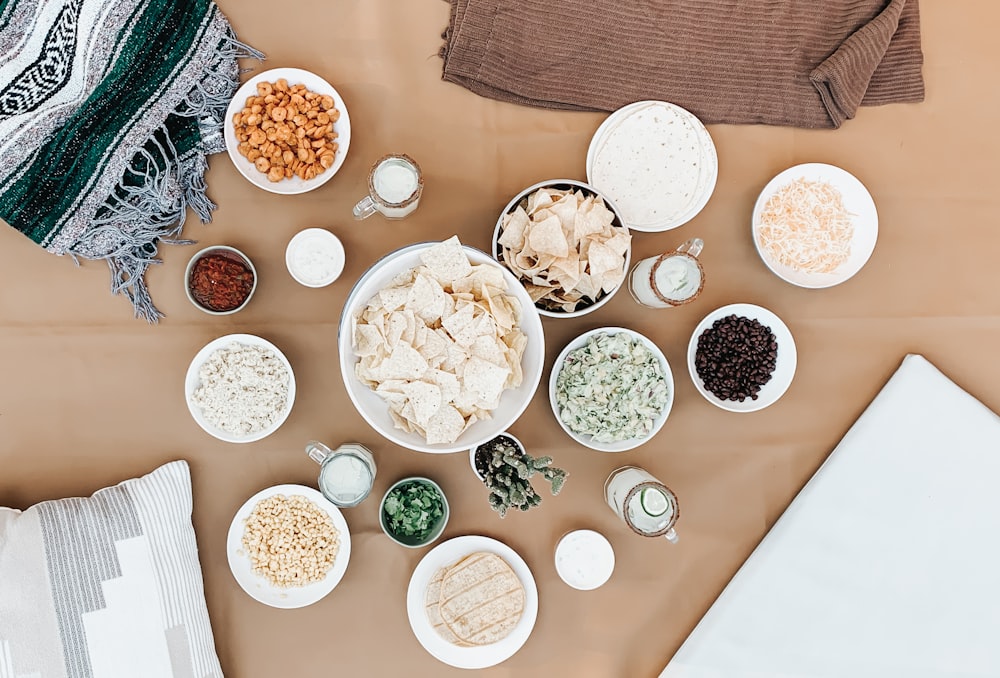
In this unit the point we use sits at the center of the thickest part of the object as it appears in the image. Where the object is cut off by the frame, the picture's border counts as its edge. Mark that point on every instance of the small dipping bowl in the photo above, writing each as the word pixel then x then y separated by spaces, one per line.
pixel 584 559
pixel 436 530
pixel 225 252
pixel 315 257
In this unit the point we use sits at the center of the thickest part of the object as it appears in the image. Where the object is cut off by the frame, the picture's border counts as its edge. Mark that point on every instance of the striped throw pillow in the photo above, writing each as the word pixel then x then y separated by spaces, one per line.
pixel 107 586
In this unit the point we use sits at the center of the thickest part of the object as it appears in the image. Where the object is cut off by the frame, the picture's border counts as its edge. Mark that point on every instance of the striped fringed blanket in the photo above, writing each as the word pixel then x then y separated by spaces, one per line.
pixel 107 111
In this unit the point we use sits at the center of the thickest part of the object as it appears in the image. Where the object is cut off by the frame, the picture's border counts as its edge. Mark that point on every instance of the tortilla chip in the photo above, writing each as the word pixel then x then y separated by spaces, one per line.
pixel 447 261
pixel 367 339
pixel 550 261
pixel 547 237
pixel 437 349
pixel 514 226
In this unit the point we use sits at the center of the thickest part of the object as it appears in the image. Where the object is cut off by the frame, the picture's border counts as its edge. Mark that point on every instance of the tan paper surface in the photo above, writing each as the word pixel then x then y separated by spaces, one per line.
pixel 91 396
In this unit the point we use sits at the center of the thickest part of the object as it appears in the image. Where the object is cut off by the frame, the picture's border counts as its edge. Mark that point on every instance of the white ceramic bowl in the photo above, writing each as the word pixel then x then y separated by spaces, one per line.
pixel 857 201
pixel 258 587
pixel 584 559
pixel 438 529
pixel 784 368
pixel 371 406
pixel 325 245
pixel 294 76
pixel 192 381
pixel 587 440
pixel 227 251
pixel 563 184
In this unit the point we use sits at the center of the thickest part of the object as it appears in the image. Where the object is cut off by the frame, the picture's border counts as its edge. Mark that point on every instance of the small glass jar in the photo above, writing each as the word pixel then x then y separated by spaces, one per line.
pixel 346 474
pixel 645 504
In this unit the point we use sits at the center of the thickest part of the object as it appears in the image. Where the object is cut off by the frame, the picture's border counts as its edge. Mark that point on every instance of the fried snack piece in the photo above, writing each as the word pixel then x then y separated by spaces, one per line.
pixel 288 130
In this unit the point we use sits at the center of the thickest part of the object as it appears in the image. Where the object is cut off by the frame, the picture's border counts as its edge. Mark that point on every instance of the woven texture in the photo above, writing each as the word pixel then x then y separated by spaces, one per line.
pixel 107 586
pixel 107 111
pixel 782 62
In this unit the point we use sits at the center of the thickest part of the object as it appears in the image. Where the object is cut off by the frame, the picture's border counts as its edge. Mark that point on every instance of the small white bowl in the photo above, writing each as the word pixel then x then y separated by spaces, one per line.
pixel 584 559
pixel 374 409
pixel 472 451
pixel 857 201
pixel 317 244
pixel 564 185
pixel 587 440
pixel 226 251
pixel 438 529
pixel 258 587
pixel 192 380
pixel 785 362
pixel 294 76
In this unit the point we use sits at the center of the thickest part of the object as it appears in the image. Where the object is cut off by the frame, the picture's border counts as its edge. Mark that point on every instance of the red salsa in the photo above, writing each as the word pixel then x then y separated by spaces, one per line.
pixel 220 282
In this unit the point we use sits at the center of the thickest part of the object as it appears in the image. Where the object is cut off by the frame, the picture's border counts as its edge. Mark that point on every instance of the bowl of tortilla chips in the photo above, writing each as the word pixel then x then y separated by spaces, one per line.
pixel 567 244
pixel 441 348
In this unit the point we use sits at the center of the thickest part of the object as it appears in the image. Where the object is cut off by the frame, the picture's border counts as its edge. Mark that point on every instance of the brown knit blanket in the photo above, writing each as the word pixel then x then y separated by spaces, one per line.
pixel 804 63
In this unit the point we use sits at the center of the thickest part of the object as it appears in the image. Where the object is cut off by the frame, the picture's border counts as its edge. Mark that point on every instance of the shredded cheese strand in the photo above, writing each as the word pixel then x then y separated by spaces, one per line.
pixel 805 227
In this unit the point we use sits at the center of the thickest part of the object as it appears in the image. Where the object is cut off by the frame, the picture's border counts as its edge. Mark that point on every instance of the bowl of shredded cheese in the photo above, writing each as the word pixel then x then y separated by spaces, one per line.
pixel 815 225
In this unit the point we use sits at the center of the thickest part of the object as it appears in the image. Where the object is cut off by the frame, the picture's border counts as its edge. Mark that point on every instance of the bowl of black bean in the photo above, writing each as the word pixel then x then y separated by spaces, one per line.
pixel 742 357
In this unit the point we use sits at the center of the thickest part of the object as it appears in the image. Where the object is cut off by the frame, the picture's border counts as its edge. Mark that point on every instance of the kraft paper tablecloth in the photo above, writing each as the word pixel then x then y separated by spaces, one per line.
pixel 91 396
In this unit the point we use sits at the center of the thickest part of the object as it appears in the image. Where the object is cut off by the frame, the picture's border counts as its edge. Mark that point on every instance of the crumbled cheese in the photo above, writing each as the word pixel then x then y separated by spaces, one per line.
pixel 243 389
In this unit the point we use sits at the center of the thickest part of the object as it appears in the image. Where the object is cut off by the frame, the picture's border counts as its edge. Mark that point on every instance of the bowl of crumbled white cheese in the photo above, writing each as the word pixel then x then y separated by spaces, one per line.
pixel 611 389
pixel 240 388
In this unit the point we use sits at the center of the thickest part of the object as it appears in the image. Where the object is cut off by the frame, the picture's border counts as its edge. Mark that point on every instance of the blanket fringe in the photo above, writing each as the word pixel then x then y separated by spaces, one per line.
pixel 136 218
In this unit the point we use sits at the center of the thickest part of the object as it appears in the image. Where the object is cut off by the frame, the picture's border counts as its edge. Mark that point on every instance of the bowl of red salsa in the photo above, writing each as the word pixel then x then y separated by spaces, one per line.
pixel 220 280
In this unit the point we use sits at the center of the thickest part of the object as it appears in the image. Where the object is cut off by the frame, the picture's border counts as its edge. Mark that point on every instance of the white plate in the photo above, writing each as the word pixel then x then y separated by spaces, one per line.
pixel 706 161
pixel 451 552
pixel 259 588
pixel 564 185
pixel 785 362
pixel 587 440
pixel 192 380
pixel 857 200
pixel 375 410
pixel 294 76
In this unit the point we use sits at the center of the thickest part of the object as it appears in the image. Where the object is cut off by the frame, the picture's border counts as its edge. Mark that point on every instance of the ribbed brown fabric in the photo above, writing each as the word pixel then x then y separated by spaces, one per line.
pixel 805 63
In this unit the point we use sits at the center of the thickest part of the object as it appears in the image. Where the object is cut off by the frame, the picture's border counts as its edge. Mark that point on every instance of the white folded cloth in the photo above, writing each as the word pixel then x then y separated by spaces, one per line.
pixel 886 564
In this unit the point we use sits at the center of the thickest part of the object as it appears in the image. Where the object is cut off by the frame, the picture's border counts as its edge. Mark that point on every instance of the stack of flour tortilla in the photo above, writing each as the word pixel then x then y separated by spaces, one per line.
pixel 657 162
pixel 477 601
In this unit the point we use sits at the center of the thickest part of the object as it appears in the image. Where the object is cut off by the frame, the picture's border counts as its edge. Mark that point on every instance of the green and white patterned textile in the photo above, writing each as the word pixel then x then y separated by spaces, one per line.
pixel 107 111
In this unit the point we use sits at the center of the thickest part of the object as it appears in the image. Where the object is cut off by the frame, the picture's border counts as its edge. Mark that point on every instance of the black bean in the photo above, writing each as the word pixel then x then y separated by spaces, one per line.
pixel 735 357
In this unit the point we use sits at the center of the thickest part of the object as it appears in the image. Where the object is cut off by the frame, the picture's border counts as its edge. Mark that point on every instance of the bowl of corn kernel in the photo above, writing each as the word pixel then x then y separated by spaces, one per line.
pixel 287 130
pixel 288 546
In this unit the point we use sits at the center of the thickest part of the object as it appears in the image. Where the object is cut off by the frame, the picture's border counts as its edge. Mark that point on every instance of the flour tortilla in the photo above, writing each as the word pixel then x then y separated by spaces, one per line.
pixel 481 599
pixel 433 606
pixel 655 164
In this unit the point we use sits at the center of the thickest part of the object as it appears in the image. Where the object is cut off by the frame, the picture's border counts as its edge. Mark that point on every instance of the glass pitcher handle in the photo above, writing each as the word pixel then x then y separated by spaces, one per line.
pixel 317 451
pixel 671 536
pixel 365 208
pixel 694 246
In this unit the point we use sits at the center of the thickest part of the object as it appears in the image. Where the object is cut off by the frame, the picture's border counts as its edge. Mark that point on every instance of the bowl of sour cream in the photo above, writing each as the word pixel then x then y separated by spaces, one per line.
pixel 584 559
pixel 315 257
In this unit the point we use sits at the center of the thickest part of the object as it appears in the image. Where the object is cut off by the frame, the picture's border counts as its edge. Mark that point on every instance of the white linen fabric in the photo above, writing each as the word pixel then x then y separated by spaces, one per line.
pixel 886 564
pixel 107 586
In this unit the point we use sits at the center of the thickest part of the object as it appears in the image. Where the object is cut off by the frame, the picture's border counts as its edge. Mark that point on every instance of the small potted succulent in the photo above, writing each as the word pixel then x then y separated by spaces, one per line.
pixel 506 469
